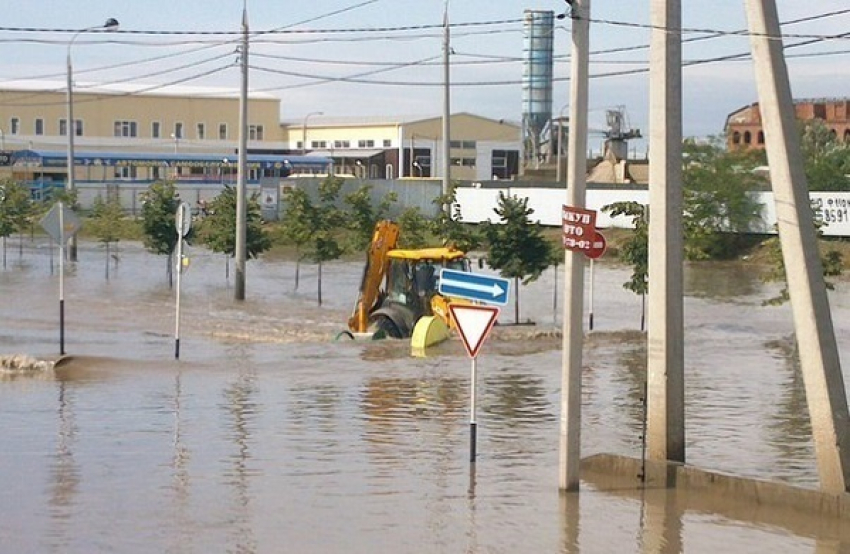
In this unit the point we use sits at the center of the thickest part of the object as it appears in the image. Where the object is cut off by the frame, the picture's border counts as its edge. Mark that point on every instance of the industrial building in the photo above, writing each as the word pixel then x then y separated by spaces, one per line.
pixel 744 126
pixel 133 119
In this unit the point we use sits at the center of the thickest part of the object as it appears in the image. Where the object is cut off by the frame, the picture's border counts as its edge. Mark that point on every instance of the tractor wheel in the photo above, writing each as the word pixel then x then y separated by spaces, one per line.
pixel 383 325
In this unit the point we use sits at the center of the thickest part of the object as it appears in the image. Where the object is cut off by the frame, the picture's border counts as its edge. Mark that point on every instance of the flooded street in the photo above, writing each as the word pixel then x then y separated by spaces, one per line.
pixel 269 436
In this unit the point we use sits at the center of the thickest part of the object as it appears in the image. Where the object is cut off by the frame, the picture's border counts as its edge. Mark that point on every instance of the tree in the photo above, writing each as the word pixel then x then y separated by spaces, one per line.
pixel 719 207
pixel 105 223
pixel 831 261
pixel 412 228
pixel 319 222
pixel 364 215
pixel 297 224
pixel 15 209
pixel 449 228
pixel 827 161
pixel 218 229
pixel 517 247
pixel 159 209
pixel 635 250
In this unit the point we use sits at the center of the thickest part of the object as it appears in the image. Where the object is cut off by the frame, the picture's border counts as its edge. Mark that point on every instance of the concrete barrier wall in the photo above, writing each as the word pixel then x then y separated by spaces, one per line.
pixel 477 203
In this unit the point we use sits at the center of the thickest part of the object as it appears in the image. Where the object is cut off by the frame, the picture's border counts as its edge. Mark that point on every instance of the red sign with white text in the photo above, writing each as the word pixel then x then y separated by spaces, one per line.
pixel 579 226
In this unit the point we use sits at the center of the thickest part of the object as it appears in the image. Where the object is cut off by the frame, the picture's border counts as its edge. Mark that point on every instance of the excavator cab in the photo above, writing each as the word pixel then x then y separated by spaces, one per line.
pixel 412 289
pixel 399 292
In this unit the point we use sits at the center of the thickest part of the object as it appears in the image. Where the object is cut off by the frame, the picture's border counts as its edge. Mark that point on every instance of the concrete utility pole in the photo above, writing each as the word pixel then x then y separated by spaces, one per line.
pixel 447 113
pixel 665 336
pixel 241 207
pixel 573 332
pixel 819 359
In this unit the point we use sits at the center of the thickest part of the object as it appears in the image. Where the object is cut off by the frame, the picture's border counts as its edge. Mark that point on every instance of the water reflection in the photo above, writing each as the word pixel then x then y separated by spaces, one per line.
pixel 65 472
pixel 790 426
pixel 726 281
pixel 240 410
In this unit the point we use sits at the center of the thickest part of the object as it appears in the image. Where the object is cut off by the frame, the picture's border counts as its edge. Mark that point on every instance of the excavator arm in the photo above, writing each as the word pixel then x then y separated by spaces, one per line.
pixel 384 239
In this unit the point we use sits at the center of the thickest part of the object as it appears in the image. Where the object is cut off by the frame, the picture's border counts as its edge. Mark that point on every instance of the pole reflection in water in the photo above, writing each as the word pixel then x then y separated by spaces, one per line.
pixel 180 482
pixel 661 522
pixel 570 507
pixel 65 473
pixel 240 409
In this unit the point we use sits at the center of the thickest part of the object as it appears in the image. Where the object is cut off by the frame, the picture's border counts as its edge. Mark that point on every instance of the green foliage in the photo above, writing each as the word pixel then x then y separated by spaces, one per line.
pixel 635 250
pixel 316 224
pixel 328 219
pixel 827 160
pixel 517 247
pixel 718 204
pixel 218 229
pixel 106 220
pixel 413 227
pixel 831 261
pixel 16 207
pixel 364 215
pixel 159 209
pixel 449 229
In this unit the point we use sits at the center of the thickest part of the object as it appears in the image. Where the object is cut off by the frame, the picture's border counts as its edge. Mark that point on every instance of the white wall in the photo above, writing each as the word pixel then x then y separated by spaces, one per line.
pixel 477 204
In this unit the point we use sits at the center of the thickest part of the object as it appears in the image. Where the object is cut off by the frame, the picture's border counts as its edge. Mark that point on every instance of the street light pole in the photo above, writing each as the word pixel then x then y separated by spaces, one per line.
pixel 70 126
pixel 447 161
pixel 304 131
pixel 241 246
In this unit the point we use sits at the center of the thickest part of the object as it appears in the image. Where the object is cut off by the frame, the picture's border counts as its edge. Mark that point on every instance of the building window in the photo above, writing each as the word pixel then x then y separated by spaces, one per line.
pixel 388 143
pixel 736 138
pixel 222 131
pixel 39 126
pixel 318 144
pixel 342 144
pixel 846 135
pixel 63 127
pixel 125 172
pixel 299 145
pixel 156 129
pixel 365 143
pixel 201 129
pixel 454 144
pixel 255 132
pixel 178 130
pixel 15 126
pixel 760 137
pixel 126 129
pixel 468 145
pixel 748 137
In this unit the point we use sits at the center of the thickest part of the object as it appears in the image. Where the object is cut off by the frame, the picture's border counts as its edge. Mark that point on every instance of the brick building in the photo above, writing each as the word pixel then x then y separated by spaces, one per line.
pixel 744 128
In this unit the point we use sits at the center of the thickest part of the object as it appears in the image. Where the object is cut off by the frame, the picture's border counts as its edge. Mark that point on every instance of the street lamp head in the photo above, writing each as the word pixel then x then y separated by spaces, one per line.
pixel 111 24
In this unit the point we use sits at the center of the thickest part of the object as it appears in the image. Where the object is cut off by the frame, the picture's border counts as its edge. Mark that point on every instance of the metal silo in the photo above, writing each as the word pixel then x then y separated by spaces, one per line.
pixel 538 27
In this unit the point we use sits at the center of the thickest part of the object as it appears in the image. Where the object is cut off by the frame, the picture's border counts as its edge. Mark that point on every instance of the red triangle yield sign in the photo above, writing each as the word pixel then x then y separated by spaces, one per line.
pixel 474 323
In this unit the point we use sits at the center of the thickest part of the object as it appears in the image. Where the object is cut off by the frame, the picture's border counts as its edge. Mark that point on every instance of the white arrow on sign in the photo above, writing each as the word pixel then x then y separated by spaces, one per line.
pixel 493 289
pixel 474 324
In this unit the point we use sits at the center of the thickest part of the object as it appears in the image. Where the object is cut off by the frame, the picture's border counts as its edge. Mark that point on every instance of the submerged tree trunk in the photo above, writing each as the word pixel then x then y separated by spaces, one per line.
pixel 107 260
pixel 4 252
pixel 170 271
pixel 516 300
pixel 320 283
pixel 297 266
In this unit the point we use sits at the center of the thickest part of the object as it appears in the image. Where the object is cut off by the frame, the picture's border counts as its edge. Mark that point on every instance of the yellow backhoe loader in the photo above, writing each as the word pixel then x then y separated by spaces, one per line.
pixel 399 295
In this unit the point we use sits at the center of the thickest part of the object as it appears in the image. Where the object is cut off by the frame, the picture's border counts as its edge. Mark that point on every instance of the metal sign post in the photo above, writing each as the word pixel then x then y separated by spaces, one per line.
pixel 61 223
pixel 474 324
pixel 183 221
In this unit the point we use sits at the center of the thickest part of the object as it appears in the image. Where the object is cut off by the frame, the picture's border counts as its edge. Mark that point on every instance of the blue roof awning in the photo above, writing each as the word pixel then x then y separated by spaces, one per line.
pixel 45 158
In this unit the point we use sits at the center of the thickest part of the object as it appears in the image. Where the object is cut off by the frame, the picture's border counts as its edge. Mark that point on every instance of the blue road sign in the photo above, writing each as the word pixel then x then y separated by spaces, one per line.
pixel 474 286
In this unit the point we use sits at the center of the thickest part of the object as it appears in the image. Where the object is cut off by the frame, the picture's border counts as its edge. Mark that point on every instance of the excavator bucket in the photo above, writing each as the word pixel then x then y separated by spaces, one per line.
pixel 429 330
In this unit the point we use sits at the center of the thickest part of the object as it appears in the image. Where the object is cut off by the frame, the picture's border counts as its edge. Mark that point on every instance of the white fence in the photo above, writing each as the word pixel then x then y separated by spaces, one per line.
pixel 477 205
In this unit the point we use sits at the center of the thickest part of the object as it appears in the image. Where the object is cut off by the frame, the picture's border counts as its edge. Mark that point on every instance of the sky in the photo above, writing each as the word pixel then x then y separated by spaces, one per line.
pixel 384 57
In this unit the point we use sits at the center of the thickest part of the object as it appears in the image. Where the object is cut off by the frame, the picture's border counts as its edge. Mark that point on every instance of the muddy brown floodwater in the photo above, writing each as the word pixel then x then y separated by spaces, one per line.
pixel 268 436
